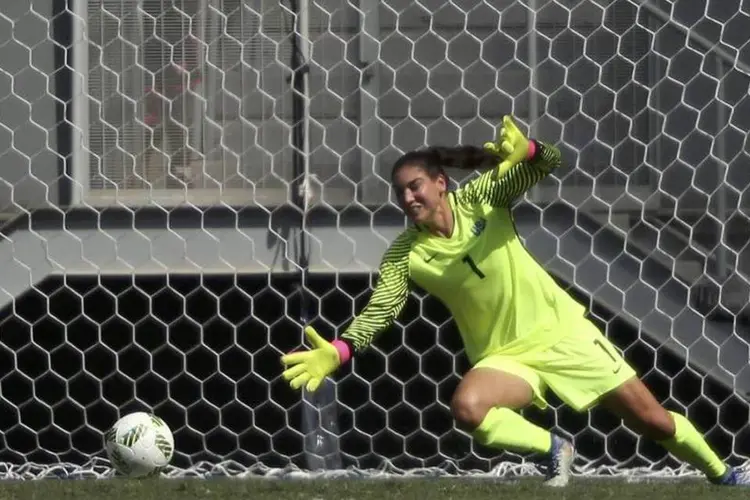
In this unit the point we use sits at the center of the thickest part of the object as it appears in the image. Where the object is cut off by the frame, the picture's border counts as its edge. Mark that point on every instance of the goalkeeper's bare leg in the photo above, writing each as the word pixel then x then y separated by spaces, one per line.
pixel 485 404
pixel 639 409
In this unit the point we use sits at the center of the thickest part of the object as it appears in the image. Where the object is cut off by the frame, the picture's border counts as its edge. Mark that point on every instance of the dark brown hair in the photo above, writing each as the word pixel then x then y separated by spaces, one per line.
pixel 435 159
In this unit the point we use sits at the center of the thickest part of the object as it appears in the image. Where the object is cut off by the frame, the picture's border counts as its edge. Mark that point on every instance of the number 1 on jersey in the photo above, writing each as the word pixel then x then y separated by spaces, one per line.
pixel 473 266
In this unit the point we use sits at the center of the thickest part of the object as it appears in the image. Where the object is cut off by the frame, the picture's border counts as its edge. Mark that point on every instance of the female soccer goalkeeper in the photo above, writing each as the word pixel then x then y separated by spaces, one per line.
pixel 521 331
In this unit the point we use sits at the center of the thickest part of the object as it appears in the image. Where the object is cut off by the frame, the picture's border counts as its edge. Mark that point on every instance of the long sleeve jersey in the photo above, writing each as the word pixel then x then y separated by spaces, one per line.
pixel 501 298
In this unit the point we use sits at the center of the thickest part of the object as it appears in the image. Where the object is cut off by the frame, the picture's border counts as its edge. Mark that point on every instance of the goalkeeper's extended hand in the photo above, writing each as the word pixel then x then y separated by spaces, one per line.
pixel 310 368
pixel 511 145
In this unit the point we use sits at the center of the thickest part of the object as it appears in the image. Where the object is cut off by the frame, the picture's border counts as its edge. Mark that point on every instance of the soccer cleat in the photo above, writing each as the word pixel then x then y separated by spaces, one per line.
pixel 559 462
pixel 733 477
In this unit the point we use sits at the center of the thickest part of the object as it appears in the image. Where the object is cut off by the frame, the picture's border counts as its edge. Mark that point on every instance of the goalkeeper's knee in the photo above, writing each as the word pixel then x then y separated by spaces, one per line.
pixel 482 390
pixel 469 411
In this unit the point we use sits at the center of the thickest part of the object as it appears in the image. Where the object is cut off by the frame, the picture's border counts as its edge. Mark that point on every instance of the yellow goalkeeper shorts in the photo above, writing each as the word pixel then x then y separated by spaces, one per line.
pixel 581 368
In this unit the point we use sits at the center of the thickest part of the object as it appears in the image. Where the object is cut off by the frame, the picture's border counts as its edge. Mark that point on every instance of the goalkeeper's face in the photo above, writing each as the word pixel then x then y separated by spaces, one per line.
pixel 420 195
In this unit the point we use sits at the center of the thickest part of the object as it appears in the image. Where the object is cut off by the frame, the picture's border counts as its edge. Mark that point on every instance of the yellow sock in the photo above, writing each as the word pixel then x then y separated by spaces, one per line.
pixel 505 429
pixel 689 446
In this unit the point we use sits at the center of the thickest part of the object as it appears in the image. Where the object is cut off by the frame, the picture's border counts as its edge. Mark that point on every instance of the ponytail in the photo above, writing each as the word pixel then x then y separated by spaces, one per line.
pixel 436 158
pixel 464 157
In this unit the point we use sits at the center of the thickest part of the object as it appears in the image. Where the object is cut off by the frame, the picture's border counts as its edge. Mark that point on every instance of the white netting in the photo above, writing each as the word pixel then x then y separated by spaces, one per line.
pixel 180 128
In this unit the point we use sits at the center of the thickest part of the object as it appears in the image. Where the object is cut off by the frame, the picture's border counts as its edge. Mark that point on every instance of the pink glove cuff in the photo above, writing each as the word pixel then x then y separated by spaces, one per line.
pixel 343 349
pixel 532 150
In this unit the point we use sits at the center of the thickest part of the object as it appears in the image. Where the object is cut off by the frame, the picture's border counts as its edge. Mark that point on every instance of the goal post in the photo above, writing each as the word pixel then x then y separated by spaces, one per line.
pixel 227 172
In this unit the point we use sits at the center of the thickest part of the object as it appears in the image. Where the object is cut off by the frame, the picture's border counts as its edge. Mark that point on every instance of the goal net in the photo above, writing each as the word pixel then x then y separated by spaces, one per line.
pixel 226 165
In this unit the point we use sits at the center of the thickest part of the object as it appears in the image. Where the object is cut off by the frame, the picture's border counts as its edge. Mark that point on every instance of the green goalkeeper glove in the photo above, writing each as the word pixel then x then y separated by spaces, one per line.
pixel 511 145
pixel 310 368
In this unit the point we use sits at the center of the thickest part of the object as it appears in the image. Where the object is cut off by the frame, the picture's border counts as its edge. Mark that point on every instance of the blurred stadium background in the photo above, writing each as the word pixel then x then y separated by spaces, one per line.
pixel 185 182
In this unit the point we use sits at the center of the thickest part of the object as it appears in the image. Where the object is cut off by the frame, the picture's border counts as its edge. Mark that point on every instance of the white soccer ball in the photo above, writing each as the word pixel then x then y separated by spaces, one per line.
pixel 139 444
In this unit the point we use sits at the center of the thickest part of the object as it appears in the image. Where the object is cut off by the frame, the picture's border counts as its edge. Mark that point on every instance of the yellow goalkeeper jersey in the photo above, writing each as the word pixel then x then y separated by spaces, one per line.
pixel 502 300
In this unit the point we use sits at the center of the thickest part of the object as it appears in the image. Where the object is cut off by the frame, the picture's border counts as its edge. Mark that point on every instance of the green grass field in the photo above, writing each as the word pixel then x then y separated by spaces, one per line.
pixel 423 489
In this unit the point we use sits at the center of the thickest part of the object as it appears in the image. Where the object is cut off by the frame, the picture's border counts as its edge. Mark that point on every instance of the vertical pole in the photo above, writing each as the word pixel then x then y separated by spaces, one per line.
pixel 79 168
pixel 138 92
pixel 304 22
pixel 320 415
pixel 199 97
pixel 124 88
pixel 62 32
pixel 369 92
pixel 208 80
pixel 533 63
pixel 722 119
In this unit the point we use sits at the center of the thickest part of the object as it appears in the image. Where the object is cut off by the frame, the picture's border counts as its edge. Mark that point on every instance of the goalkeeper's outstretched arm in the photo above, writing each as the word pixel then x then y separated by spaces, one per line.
pixel 525 163
pixel 388 298
pixel 309 368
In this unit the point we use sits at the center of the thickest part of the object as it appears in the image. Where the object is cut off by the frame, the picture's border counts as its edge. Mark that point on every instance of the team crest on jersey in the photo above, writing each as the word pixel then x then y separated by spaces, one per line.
pixel 478 227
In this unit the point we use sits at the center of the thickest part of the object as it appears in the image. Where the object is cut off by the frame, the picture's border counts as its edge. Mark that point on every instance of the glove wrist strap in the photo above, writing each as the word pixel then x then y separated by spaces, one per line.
pixel 345 352
pixel 531 150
